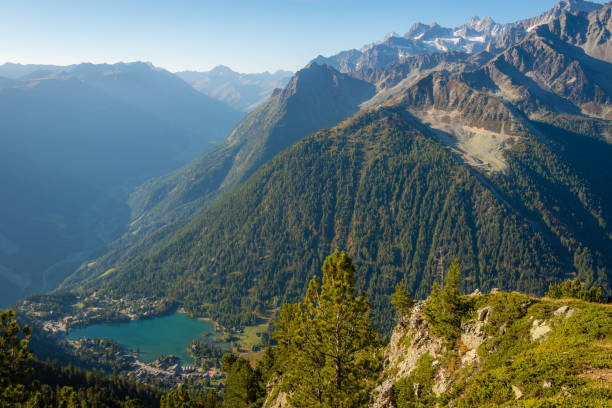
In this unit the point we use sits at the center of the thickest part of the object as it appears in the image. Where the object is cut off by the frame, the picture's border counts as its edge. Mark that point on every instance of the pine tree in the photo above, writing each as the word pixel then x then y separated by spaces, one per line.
pixel 210 400
pixel 266 368
pixel 575 289
pixel 401 300
pixel 14 359
pixel 134 403
pixel 444 308
pixel 327 346
pixel 267 363
pixel 243 386
pixel 67 398
pixel 176 399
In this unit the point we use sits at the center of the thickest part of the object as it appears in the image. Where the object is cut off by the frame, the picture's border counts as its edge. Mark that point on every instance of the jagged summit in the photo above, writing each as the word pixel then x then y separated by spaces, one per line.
pixel 415 30
pixel 564 6
pixel 478 22
pixel 577 5
pixel 391 35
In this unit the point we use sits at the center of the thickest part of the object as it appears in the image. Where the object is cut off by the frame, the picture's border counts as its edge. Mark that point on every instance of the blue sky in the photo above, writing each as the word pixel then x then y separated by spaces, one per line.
pixel 248 36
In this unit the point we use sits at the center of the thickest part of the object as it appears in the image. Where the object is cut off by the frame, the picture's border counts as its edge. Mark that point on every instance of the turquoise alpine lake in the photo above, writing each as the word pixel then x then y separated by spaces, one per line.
pixel 156 337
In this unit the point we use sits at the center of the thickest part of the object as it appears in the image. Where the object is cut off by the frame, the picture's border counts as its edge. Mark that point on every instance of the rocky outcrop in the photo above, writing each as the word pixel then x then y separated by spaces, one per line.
pixel 459 362
pixel 466 357
pixel 275 398
pixel 541 327
pixel 412 339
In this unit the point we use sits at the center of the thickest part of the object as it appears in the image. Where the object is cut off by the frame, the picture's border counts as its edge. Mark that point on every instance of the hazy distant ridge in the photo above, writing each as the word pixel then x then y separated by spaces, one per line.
pixel 240 91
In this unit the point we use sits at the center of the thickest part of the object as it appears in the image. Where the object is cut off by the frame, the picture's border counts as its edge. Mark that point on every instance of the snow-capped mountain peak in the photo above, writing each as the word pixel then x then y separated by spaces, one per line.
pixel 472 37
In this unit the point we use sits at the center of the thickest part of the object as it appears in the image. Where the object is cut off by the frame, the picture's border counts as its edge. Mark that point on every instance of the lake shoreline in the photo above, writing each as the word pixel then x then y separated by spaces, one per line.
pixel 169 334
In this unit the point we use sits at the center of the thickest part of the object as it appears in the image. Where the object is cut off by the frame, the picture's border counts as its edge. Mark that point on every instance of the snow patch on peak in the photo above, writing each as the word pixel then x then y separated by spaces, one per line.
pixel 481 24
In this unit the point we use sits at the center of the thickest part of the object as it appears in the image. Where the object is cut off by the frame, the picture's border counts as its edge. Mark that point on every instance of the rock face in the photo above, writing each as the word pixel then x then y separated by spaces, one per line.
pixel 591 32
pixel 274 397
pixel 565 311
pixel 539 329
pixel 412 338
pixel 472 336
pixel 518 394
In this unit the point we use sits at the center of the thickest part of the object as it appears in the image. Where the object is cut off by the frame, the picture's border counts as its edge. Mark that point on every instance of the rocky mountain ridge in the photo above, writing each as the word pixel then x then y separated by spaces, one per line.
pixel 477 35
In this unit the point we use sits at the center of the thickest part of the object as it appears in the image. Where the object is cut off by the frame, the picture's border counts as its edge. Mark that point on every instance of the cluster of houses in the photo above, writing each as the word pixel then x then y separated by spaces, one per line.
pixel 169 368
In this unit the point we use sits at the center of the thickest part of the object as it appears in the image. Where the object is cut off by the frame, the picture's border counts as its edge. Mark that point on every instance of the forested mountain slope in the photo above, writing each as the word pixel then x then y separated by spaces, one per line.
pixel 551 175
pixel 317 97
pixel 380 185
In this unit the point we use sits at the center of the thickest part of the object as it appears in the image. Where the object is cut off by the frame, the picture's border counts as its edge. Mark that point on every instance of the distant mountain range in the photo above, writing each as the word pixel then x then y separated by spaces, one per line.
pixel 151 89
pixel 240 91
pixel 477 35
pixel 496 152
pixel 75 140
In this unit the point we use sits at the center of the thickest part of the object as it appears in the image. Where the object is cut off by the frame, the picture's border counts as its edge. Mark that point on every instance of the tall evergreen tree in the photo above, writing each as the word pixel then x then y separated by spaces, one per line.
pixel 401 300
pixel 327 346
pixel 210 400
pixel 14 359
pixel 243 386
pixel 574 289
pixel 444 307
pixel 178 398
